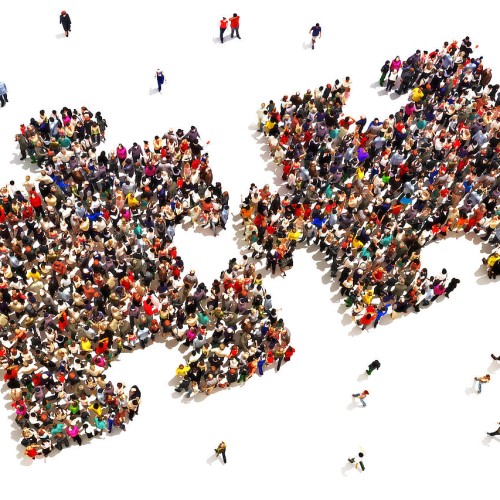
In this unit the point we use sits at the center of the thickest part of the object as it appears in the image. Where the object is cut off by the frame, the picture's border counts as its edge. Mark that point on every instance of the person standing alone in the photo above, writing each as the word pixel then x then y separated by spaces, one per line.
pixel 315 31
pixel 221 450
pixel 160 78
pixel 223 28
pixel 235 25
pixel 65 20
pixel 3 94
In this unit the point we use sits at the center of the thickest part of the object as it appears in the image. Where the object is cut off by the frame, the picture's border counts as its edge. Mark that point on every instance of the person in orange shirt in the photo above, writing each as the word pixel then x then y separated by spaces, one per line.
pixel 361 397
pixel 235 25
pixel 223 28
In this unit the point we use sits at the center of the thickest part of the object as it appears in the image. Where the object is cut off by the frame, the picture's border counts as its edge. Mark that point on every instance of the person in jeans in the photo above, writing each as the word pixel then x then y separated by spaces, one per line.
pixel 361 397
pixel 235 25
pixel 482 380
pixel 222 28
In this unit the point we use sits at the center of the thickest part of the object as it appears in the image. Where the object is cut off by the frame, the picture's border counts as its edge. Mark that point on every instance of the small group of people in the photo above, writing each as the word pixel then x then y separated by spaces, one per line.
pixel 89 270
pixel 234 23
pixel 370 194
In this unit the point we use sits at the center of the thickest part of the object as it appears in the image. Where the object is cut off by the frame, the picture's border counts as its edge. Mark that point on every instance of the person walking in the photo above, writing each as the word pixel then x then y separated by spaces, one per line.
pixel 315 31
pixel 482 380
pixel 3 94
pixel 361 397
pixel 221 450
pixel 160 79
pixel 374 365
pixel 235 25
pixel 451 286
pixel 358 461
pixel 222 28
pixel 494 433
pixel 65 20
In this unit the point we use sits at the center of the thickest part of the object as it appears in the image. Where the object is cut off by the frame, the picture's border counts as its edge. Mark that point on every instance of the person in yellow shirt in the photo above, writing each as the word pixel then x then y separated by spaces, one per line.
pixel 131 200
pixel 294 235
pixel 368 297
pixel 417 95
pixel 85 344
pixel 34 275
pixel 182 370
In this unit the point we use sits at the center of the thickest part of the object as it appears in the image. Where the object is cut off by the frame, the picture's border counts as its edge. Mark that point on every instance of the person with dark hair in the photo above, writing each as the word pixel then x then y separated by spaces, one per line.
pixel 315 31
pixel 384 70
pixel 235 25
pixel 495 433
pixel 451 286
pixel 359 461
pixel 374 365
pixel 65 20
pixel 222 28
pixel 160 78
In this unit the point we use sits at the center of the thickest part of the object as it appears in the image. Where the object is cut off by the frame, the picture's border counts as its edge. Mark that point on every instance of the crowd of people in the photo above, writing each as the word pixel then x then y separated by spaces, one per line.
pixel 372 194
pixel 89 269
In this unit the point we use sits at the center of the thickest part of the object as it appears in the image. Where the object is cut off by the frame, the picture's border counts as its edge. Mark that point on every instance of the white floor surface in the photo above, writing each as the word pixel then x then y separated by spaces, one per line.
pixel 288 434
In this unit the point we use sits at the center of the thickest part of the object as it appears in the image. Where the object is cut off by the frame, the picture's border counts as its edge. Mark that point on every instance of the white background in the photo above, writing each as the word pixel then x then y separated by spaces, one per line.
pixel 288 434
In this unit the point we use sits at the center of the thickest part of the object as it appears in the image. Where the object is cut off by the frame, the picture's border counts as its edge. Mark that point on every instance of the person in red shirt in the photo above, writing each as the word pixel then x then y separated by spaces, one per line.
pixel 36 202
pixel 223 27
pixel 235 25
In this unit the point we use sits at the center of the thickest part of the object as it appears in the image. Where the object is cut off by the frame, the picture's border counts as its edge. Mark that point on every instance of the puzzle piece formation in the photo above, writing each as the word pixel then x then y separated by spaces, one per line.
pixel 371 197
pixel 90 270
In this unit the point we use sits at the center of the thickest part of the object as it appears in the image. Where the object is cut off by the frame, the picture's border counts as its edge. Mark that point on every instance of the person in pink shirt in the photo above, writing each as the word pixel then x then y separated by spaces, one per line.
pixel 121 152
pixel 395 64
pixel 74 432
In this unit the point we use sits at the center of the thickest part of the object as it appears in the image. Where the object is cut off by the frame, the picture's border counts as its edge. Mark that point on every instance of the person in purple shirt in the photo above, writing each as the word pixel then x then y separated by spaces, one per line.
pixel 315 31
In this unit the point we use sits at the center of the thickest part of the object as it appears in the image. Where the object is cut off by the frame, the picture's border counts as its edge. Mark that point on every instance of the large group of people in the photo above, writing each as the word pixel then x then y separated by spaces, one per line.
pixel 89 270
pixel 372 194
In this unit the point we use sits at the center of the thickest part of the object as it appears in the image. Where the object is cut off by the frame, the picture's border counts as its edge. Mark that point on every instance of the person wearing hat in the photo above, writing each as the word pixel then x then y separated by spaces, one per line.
pixel 65 20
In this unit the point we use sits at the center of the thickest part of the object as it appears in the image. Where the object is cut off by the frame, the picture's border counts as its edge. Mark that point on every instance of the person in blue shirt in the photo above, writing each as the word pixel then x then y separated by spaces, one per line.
pixel 315 31
pixel 160 78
